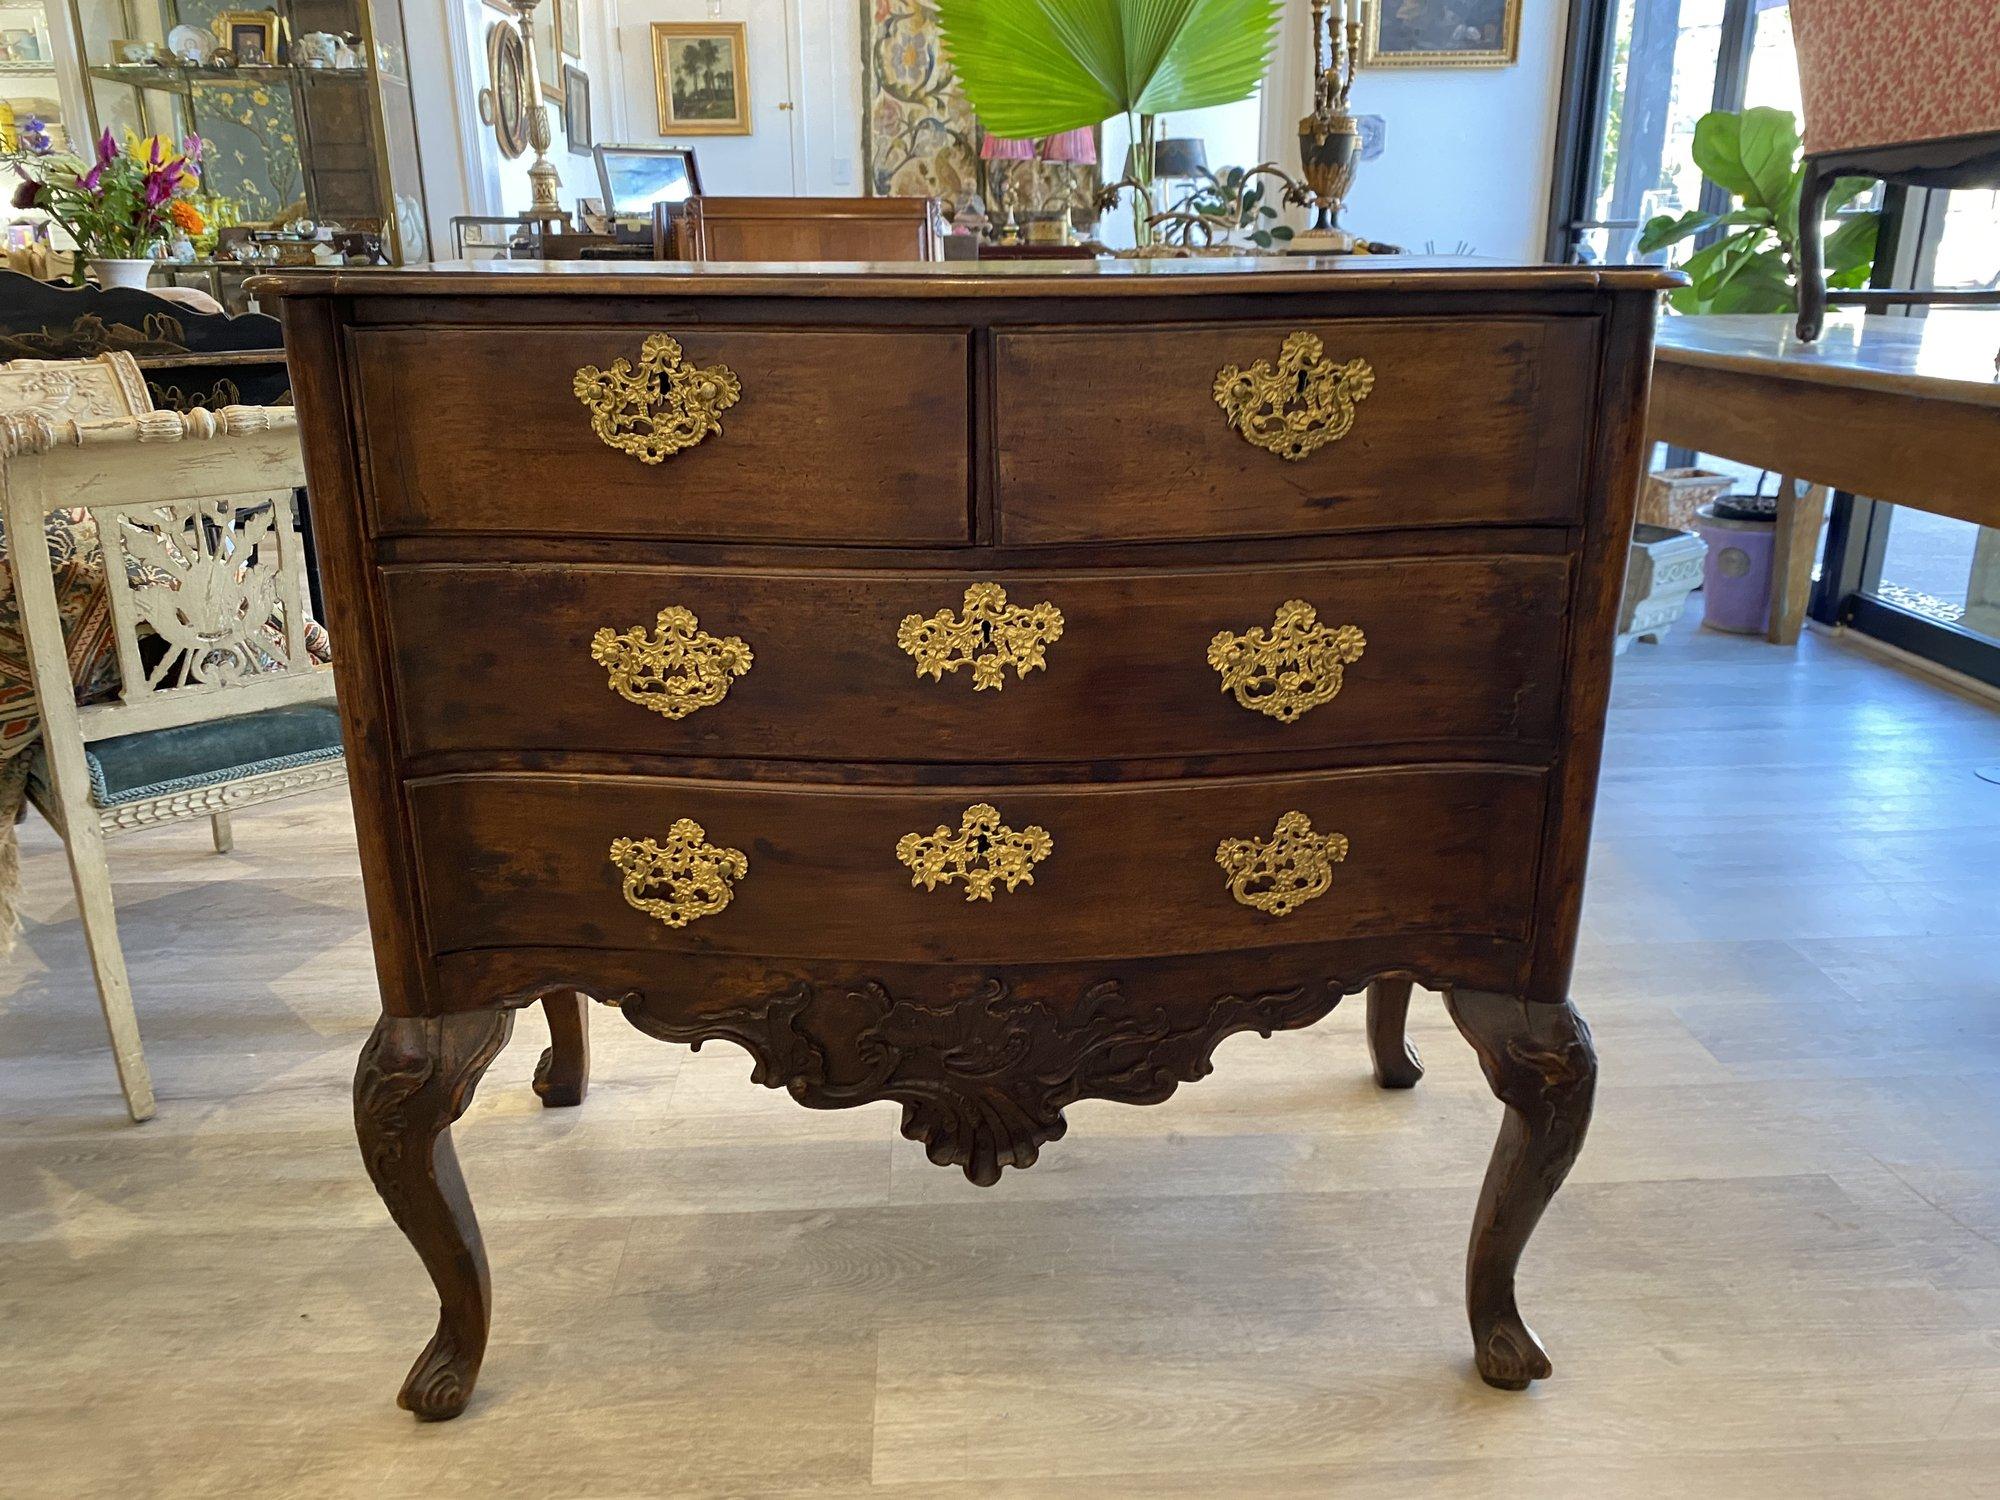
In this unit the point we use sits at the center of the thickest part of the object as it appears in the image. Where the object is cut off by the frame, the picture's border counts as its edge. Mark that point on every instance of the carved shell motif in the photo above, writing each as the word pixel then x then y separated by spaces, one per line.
pixel 682 880
pixel 1298 408
pixel 662 407
pixel 1292 670
pixel 674 669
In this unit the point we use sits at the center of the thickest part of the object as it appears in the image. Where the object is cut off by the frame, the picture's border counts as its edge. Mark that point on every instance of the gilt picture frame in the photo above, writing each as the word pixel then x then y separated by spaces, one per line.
pixel 1441 33
pixel 701 77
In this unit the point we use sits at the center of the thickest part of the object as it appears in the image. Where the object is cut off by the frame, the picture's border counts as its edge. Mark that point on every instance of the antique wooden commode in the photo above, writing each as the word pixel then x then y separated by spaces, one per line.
pixel 981 688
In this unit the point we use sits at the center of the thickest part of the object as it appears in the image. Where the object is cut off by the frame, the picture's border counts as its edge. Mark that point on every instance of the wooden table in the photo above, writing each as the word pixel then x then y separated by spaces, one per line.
pixel 1898 409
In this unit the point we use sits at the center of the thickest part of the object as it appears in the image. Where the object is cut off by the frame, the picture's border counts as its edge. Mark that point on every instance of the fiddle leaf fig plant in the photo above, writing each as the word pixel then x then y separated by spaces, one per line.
pixel 1754 157
pixel 1039 67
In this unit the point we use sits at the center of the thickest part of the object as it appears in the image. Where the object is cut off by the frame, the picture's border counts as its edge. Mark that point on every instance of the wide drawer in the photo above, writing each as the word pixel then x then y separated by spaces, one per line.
pixel 1403 654
pixel 842 436
pixel 1123 434
pixel 827 871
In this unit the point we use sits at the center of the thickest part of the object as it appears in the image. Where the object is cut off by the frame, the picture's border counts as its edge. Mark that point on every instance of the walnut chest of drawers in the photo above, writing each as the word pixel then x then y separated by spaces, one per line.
pixel 978 689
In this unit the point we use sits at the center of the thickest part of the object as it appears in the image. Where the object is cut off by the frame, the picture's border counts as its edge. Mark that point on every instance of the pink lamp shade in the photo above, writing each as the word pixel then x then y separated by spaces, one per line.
pixel 1872 74
pixel 1000 148
pixel 1075 146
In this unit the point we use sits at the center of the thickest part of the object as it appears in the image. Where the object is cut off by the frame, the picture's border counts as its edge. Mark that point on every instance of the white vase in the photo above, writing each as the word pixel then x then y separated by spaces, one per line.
pixel 111 273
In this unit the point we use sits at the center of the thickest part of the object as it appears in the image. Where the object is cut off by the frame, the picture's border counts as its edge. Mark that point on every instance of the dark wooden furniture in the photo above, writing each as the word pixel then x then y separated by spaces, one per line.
pixel 945 718
pixel 1898 409
pixel 799 229
pixel 189 358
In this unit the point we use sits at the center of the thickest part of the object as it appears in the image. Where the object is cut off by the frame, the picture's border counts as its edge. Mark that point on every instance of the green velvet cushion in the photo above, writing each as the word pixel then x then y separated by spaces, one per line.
pixel 133 767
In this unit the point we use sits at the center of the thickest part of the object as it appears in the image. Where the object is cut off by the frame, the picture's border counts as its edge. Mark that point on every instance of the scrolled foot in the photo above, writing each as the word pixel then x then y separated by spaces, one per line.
pixel 1396 1063
pixel 562 1077
pixel 1540 1063
pixel 440 1382
pixel 1509 1355
pixel 416 1077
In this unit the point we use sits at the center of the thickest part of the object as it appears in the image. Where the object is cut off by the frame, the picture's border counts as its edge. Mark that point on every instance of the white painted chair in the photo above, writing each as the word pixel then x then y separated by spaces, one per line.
pixel 221 706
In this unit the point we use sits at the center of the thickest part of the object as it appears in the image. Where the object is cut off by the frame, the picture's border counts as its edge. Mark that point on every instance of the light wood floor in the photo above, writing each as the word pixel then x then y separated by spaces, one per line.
pixel 1776 1271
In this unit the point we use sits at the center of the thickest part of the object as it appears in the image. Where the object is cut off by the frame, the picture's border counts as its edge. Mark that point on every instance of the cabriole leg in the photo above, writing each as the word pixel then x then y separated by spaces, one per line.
pixel 1541 1065
pixel 1397 1065
pixel 416 1077
pixel 563 1075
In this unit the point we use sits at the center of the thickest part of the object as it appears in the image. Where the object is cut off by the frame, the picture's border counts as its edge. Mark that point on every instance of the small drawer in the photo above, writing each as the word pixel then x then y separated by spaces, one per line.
pixel 1141 433
pixel 837 437
pixel 890 875
pixel 1455 657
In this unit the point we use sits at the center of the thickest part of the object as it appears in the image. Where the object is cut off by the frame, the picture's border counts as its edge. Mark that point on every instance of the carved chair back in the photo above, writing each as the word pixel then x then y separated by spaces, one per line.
pixel 204 570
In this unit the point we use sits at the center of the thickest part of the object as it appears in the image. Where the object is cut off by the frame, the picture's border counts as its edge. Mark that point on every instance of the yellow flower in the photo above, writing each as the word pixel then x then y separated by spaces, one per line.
pixel 141 147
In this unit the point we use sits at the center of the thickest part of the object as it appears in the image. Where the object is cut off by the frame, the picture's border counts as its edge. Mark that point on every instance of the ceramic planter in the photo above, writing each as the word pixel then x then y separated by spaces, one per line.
pixel 125 273
pixel 1664 567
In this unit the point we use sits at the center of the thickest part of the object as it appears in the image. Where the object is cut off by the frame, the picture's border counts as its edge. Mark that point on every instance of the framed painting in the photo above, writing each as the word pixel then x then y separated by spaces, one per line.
pixel 576 110
pixel 1441 34
pixel 569 28
pixel 701 77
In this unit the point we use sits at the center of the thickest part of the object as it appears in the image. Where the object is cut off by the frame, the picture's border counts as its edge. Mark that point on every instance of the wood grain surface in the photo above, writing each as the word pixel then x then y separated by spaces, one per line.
pixel 849 436
pixel 1109 435
pixel 1462 658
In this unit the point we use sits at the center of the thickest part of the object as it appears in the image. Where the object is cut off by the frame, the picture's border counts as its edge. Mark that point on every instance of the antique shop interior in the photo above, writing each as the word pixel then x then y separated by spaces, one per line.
pixel 1280 718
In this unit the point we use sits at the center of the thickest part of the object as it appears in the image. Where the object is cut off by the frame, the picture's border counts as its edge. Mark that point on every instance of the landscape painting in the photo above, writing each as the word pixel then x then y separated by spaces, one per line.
pixel 701 77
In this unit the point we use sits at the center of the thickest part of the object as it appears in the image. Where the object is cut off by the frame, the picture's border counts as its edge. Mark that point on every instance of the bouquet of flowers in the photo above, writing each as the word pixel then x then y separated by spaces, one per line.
pixel 121 204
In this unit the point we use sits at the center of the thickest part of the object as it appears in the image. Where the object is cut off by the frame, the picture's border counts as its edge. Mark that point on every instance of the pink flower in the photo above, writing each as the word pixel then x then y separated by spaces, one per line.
pixel 107 148
pixel 191 146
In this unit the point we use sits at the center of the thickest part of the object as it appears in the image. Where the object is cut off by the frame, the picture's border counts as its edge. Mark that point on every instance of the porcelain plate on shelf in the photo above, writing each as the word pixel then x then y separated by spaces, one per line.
pixel 191 44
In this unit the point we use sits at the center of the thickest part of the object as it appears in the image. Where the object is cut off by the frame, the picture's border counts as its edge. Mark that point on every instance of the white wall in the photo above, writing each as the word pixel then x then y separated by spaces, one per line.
pixel 1470 152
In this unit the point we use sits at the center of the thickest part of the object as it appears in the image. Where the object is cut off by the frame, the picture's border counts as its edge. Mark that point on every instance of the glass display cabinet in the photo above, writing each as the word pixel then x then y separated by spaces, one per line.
pixel 304 106
pixel 35 81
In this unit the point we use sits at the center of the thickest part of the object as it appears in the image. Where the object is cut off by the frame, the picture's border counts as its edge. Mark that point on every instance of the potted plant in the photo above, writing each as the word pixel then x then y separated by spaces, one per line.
pixel 1753 268
pixel 119 206
pixel 1034 68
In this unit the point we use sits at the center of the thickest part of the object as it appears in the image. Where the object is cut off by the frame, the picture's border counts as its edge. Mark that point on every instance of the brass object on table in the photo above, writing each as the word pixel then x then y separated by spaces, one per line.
pixel 990 636
pixel 680 881
pixel 1293 669
pixel 1280 874
pixel 662 407
pixel 673 669
pixel 1298 408
pixel 983 852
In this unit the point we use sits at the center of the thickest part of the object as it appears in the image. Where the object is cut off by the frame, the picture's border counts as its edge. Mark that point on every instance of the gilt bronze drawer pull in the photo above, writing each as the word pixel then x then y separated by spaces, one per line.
pixel 1291 670
pixel 990 636
pixel 983 852
pixel 1282 873
pixel 1298 408
pixel 680 881
pixel 673 669
pixel 660 408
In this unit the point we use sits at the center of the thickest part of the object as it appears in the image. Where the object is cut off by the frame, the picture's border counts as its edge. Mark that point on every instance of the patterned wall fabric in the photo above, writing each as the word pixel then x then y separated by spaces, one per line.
pixel 1877 74
pixel 918 135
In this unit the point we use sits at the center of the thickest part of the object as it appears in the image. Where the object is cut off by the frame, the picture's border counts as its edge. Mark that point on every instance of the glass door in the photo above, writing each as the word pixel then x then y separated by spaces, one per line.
pixel 1925 583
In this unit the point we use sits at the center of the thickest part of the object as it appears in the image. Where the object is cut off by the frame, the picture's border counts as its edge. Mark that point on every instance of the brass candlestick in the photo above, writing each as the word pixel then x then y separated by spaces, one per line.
pixel 1329 139
pixel 544 208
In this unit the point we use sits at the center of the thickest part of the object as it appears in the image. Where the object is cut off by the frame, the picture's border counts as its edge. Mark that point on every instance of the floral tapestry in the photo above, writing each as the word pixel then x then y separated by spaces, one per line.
pixel 918 136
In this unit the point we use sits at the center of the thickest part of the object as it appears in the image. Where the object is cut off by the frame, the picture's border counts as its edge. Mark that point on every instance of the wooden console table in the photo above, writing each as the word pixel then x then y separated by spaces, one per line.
pixel 978 687
pixel 1899 409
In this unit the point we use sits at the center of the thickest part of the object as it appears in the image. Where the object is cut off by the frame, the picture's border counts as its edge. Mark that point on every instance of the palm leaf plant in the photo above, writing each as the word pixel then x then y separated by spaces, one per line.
pixel 1040 67
pixel 1754 156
